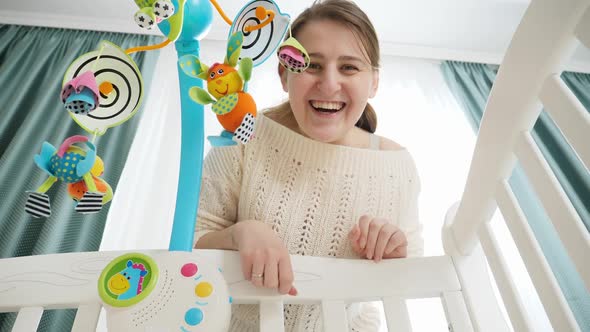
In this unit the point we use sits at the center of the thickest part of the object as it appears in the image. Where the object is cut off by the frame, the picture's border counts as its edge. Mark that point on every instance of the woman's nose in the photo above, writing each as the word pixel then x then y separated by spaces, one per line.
pixel 330 81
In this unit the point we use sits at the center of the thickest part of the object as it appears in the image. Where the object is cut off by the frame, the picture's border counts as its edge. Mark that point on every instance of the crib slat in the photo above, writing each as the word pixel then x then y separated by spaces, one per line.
pixel 456 311
pixel 564 217
pixel 541 275
pixel 569 114
pixel 334 315
pixel 396 314
pixel 514 307
pixel 583 29
pixel 86 317
pixel 28 319
pixel 476 285
pixel 272 316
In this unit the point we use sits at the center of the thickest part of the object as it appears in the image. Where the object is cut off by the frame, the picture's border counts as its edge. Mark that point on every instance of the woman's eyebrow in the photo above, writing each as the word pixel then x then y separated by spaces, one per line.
pixel 317 55
pixel 351 58
pixel 341 58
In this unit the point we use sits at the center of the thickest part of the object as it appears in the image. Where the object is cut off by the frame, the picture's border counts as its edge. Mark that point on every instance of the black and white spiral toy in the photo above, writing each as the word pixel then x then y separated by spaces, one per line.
pixel 262 43
pixel 109 64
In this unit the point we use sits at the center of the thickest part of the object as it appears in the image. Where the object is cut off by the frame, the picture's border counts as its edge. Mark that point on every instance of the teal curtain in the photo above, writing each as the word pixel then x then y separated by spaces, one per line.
pixel 471 84
pixel 33 61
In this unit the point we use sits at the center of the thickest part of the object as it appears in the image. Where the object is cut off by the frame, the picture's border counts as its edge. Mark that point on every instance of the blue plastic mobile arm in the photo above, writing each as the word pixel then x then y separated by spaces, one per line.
pixel 191 156
pixel 198 16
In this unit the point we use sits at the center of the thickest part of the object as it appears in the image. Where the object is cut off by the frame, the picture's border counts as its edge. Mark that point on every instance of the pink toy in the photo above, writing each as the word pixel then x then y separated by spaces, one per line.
pixel 80 95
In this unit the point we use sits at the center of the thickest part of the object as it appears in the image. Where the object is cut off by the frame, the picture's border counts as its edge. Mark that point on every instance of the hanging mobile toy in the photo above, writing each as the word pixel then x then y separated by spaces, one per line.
pixel 80 95
pixel 152 12
pixel 292 55
pixel 235 108
pixel 71 164
pixel 102 89
pixel 77 190
pixel 263 26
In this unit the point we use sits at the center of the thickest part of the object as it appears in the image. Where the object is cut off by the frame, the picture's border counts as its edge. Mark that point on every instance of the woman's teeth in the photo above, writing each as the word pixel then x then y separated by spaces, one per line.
pixel 327 106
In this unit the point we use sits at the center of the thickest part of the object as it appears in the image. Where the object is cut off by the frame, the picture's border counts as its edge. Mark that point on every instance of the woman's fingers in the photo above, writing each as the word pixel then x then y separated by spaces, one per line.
pixel 383 239
pixel 397 245
pixel 264 257
pixel 377 238
pixel 246 266
pixel 364 223
pixel 269 270
pixel 271 273
pixel 374 229
pixel 258 264
pixel 354 236
pixel 286 277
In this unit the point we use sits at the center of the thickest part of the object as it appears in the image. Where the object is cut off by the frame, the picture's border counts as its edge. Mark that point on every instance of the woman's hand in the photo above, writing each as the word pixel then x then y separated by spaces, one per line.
pixel 377 238
pixel 265 259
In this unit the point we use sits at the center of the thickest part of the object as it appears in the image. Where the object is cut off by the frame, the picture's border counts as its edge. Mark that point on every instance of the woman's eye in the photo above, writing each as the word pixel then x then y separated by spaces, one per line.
pixel 350 68
pixel 314 66
pixel 212 75
pixel 220 71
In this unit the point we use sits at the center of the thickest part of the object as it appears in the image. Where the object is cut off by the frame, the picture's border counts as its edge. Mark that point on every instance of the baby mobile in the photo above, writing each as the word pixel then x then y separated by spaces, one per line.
pixel 103 89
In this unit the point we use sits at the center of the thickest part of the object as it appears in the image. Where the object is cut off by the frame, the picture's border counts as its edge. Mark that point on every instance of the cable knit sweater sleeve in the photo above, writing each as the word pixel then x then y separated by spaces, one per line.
pixel 220 189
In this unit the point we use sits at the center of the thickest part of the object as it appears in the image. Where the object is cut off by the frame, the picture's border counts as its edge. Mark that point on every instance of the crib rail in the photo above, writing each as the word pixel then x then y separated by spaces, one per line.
pixel 536 264
pixel 528 81
pixel 29 285
pixel 500 269
pixel 562 213
pixel 568 113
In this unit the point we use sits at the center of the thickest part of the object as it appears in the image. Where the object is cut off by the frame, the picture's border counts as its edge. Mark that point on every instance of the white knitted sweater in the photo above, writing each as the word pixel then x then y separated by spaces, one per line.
pixel 311 193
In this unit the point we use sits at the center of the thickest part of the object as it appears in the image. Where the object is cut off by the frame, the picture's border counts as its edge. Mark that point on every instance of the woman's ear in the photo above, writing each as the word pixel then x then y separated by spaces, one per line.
pixel 375 84
pixel 283 75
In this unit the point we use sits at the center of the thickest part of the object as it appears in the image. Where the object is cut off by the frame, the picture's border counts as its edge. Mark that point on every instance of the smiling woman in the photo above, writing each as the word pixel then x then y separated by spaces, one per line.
pixel 274 196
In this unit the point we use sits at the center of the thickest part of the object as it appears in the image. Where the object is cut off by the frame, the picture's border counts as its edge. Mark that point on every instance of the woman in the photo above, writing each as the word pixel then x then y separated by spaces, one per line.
pixel 315 180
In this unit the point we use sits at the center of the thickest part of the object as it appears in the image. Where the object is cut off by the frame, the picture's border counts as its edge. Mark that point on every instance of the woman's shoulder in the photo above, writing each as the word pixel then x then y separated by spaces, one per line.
pixel 386 144
pixel 280 116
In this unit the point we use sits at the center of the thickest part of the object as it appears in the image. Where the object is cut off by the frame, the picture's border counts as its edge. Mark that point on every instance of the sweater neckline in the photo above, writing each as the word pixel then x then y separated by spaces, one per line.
pixel 300 150
pixel 308 142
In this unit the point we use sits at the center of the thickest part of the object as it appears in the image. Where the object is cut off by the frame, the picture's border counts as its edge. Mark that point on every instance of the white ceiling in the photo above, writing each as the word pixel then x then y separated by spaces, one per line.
pixel 469 30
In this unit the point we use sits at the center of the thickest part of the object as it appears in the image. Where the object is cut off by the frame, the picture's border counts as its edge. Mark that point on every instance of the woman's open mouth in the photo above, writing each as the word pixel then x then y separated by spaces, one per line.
pixel 327 106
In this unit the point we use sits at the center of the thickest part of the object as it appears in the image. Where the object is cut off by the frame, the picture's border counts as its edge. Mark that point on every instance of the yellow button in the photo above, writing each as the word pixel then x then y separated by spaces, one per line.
pixel 204 289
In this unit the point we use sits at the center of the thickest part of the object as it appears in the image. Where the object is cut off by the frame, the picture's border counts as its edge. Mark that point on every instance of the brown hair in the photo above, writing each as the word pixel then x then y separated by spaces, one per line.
pixel 350 15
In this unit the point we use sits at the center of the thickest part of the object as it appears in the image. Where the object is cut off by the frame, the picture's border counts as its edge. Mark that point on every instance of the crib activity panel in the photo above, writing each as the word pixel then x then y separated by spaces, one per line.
pixel 171 291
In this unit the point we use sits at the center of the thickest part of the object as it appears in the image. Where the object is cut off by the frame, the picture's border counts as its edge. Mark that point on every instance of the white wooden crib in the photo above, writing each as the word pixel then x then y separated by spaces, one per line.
pixel 528 78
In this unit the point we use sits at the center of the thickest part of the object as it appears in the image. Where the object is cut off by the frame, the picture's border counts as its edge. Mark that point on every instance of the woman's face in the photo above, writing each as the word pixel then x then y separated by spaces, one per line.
pixel 329 97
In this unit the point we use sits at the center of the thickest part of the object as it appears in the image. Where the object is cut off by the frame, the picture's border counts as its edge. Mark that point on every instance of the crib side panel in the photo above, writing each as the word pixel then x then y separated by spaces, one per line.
pixel 528 81
pixel 36 283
